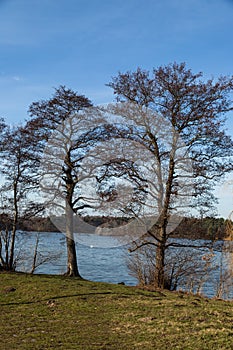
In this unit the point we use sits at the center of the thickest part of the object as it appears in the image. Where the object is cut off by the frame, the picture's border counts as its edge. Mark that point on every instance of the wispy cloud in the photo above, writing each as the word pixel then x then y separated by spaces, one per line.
pixel 17 78
pixel 8 78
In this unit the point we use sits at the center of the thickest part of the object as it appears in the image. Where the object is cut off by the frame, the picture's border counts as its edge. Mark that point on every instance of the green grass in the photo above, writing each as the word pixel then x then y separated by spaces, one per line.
pixel 56 312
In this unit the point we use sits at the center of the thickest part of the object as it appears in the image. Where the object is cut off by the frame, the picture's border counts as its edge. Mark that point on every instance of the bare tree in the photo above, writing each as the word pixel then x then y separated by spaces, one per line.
pixel 20 180
pixel 185 268
pixel 40 258
pixel 46 117
pixel 195 111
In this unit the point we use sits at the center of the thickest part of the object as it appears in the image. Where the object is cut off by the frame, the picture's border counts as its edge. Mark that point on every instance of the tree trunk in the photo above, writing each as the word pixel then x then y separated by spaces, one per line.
pixel 12 247
pixel 35 254
pixel 72 265
pixel 159 267
pixel 12 250
pixel 160 260
pixel 162 239
pixel 15 221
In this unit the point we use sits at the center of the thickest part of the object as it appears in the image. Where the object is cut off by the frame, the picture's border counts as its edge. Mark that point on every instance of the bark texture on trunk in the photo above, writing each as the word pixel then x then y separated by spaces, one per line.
pixel 15 221
pixel 72 265
pixel 160 260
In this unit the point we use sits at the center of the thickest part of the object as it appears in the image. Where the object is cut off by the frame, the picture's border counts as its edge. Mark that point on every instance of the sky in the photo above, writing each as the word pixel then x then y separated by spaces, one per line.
pixel 82 44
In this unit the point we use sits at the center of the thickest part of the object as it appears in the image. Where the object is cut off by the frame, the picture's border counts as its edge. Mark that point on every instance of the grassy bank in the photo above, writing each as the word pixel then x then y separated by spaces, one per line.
pixel 54 312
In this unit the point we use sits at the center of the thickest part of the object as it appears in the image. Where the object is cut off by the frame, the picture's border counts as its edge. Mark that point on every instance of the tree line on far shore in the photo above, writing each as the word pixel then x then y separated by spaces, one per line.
pixel 208 228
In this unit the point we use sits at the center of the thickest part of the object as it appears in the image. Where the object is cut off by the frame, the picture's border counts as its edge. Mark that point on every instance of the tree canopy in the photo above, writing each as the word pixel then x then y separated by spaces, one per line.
pixel 195 111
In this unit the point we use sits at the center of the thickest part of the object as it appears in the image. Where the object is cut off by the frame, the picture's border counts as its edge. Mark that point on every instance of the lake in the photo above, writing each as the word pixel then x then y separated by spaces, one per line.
pixel 100 258
pixel 96 263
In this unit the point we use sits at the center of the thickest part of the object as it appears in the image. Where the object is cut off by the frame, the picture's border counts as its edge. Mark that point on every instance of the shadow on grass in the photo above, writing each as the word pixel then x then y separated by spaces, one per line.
pixel 86 295
pixel 55 298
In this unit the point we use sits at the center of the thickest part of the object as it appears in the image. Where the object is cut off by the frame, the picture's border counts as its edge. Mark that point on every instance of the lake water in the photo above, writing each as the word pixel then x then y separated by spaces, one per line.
pixel 99 258
pixel 106 264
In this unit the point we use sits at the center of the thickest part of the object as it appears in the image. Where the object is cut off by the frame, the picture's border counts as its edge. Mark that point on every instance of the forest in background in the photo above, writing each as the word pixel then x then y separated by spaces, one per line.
pixel 209 228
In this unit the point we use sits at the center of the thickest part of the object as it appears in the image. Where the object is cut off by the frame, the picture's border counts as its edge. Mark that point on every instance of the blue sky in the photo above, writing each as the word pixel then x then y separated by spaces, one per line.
pixel 82 44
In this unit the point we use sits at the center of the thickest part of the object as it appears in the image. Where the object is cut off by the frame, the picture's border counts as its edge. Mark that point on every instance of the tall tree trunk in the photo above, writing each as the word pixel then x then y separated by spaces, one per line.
pixel 72 265
pixel 12 249
pixel 160 260
pixel 35 254
pixel 14 227
pixel 163 222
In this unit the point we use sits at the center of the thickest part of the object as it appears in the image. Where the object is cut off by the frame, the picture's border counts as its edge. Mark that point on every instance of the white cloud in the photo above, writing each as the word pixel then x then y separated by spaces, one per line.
pixel 16 78
pixel 8 78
